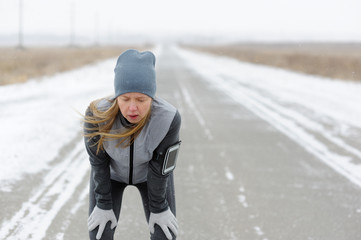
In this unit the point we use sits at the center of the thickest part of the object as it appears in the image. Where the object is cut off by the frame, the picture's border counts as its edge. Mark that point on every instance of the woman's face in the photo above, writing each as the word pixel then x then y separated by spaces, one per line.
pixel 134 106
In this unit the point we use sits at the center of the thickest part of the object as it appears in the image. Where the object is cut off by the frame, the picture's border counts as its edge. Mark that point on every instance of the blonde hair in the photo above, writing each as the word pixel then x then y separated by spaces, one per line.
pixel 103 121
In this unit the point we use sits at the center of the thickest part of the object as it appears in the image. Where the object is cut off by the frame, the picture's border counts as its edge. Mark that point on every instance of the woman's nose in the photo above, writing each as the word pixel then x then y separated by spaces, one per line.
pixel 133 106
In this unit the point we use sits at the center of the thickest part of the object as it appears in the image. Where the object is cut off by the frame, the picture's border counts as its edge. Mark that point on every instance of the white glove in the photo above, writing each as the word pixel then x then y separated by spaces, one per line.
pixel 100 217
pixel 165 220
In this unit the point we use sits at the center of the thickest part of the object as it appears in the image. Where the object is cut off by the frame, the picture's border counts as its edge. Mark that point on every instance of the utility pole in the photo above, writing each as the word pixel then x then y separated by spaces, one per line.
pixel 96 29
pixel 72 23
pixel 20 44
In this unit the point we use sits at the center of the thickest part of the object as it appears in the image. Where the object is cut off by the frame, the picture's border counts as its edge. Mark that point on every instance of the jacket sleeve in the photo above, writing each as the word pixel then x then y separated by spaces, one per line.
pixel 100 168
pixel 157 183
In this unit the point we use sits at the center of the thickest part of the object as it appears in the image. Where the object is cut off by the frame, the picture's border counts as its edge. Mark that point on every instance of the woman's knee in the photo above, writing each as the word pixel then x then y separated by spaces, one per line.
pixel 159 234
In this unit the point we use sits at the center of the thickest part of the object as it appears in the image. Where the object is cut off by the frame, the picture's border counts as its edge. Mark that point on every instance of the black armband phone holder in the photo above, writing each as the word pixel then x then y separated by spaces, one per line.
pixel 170 158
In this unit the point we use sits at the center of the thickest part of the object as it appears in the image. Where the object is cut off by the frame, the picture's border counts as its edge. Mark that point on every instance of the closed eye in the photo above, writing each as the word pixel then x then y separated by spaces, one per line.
pixel 141 99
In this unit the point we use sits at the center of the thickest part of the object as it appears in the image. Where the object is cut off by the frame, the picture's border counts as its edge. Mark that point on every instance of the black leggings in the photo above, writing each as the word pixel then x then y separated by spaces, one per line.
pixel 117 195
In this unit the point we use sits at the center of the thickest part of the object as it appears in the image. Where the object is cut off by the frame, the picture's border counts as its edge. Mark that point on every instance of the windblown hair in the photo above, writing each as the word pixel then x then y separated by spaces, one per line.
pixel 103 122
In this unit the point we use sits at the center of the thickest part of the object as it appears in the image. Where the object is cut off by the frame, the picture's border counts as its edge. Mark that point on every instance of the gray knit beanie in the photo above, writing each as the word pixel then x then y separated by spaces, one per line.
pixel 135 72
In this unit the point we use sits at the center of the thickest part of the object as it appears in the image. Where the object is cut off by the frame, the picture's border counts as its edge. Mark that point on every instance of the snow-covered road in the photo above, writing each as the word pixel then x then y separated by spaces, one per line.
pixel 267 153
pixel 322 115
pixel 43 158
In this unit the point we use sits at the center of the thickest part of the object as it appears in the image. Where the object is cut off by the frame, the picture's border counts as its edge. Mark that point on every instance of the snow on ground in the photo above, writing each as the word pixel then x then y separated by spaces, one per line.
pixel 322 115
pixel 41 116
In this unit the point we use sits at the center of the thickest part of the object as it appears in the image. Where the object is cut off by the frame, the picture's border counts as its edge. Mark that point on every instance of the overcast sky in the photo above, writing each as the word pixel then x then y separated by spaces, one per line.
pixel 244 19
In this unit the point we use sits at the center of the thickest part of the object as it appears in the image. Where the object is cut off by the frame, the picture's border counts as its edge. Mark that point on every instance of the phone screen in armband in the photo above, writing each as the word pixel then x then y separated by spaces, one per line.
pixel 170 158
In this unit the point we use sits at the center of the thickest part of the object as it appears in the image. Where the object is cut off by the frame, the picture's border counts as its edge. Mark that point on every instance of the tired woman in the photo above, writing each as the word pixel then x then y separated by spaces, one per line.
pixel 132 138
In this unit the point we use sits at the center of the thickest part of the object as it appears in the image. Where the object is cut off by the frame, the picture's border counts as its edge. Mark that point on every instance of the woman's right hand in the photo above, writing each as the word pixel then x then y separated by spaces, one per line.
pixel 100 217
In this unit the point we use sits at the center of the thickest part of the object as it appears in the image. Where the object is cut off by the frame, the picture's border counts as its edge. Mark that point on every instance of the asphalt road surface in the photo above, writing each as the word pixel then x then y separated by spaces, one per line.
pixel 238 177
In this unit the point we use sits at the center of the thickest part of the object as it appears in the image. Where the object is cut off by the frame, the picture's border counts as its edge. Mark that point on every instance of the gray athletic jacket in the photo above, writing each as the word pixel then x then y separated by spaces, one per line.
pixel 140 162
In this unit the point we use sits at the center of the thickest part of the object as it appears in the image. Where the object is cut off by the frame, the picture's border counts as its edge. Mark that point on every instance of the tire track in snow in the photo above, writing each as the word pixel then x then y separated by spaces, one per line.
pixel 298 128
pixel 35 216
pixel 296 117
pixel 66 223
pixel 332 149
pixel 195 110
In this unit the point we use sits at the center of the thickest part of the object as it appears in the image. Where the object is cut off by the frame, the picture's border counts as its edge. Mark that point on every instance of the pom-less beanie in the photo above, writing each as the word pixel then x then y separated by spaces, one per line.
pixel 135 72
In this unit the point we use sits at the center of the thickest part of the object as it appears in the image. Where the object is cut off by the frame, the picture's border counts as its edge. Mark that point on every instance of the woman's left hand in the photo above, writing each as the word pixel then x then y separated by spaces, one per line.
pixel 165 220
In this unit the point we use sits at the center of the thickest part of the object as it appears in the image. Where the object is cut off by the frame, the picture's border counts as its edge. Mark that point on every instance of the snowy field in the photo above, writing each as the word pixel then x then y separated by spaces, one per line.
pixel 41 125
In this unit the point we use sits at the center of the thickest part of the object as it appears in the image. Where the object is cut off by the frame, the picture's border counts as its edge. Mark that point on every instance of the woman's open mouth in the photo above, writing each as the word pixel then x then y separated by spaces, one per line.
pixel 133 117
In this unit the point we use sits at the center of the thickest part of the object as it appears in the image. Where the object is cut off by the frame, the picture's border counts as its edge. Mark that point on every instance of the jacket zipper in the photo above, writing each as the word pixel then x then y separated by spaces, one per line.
pixel 131 163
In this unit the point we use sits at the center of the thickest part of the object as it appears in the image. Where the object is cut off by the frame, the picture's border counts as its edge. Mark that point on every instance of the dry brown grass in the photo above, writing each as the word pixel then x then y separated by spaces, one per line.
pixel 18 65
pixel 342 61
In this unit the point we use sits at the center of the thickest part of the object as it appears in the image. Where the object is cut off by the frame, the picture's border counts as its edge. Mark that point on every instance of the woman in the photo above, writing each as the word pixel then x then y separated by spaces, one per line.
pixel 126 137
